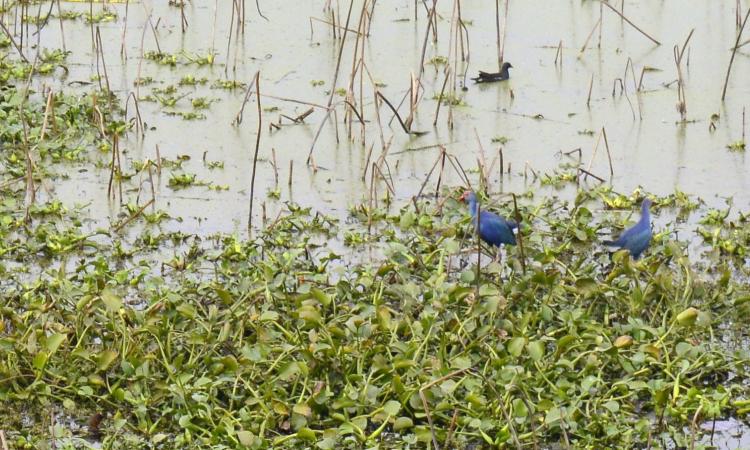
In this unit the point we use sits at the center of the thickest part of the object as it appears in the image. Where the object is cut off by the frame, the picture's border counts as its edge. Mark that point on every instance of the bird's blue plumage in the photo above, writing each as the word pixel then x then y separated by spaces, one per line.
pixel 636 238
pixel 493 229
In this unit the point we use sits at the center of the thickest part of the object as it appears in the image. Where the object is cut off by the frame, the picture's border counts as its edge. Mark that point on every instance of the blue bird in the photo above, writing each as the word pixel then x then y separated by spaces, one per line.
pixel 636 238
pixel 493 229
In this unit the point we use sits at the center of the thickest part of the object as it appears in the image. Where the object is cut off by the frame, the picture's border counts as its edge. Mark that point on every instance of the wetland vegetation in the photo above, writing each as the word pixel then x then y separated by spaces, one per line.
pixel 205 243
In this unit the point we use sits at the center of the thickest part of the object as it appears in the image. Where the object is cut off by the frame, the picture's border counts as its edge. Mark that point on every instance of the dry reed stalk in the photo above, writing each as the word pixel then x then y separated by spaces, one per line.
pixel 248 93
pixel 588 38
pixel 140 60
pixel 213 27
pixel 62 29
pixel 441 156
pixel 47 111
pixel 743 124
pixel 112 169
pixel 123 51
pixel 100 48
pixel 229 38
pixel 337 26
pixel 591 86
pixel 13 41
pixel 678 55
pixel 483 162
pixel 631 23
pixel 440 175
pixel 255 155
pixel 430 21
pixel 183 18
pixel 133 217
pixel 275 168
pixel 139 129
pixel 497 35
pixel 505 29
pixel 520 235
pixel 333 83
pixel 158 161
pixel 257 7
pixel 156 36
pixel 396 114
pixel 558 53
pixel 601 25
pixel 734 52
pixel 527 167
pixel 367 161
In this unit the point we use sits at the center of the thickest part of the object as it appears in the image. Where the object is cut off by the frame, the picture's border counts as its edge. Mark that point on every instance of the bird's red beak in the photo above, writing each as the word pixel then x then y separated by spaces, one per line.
pixel 463 196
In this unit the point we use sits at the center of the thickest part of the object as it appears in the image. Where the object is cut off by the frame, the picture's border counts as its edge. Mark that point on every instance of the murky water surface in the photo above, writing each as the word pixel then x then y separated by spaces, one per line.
pixel 541 111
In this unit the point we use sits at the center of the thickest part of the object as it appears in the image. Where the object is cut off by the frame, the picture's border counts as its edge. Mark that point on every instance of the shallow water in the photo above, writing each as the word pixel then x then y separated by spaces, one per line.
pixel 291 51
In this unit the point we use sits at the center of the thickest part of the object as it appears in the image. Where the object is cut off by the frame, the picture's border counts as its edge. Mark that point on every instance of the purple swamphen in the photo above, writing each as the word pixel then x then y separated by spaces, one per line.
pixel 488 77
pixel 493 229
pixel 636 238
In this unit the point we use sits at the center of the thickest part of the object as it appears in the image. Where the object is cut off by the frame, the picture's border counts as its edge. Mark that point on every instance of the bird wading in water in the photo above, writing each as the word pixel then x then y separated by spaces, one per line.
pixel 636 238
pixel 493 229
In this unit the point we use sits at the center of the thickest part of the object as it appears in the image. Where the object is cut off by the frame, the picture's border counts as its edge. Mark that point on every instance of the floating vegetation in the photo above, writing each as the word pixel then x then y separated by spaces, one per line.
pixel 381 349
pixel 449 99
pixel 190 80
pixel 438 60
pixel 102 16
pixel 229 85
pixel 737 146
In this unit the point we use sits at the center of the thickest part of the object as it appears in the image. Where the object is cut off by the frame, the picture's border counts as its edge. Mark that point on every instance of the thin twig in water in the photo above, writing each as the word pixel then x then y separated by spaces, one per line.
pixel 734 52
pixel 10 36
pixel 520 235
pixel 238 118
pixel 134 216
pixel 588 38
pixel 631 23
pixel 403 125
pixel 255 156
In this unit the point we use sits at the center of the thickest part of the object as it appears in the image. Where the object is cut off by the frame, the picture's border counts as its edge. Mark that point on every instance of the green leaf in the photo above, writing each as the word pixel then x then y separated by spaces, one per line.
pixel 54 341
pixel 402 423
pixel 552 416
pixel 302 409
pixel 112 301
pixel 321 296
pixel 536 350
pixel 104 359
pixel 392 407
pixel 515 346
pixel 688 317
pixel 187 310
pixel 309 314
pixel 306 434
pixel 519 408
pixel 612 406
pixel 40 360
pixel 269 316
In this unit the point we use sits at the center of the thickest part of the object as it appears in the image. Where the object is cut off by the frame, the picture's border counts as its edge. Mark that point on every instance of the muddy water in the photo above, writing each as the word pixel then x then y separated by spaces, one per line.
pixel 541 110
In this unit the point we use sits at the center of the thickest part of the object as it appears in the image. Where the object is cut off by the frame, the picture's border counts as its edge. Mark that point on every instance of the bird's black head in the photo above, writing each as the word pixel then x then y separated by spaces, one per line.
pixel 507 65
